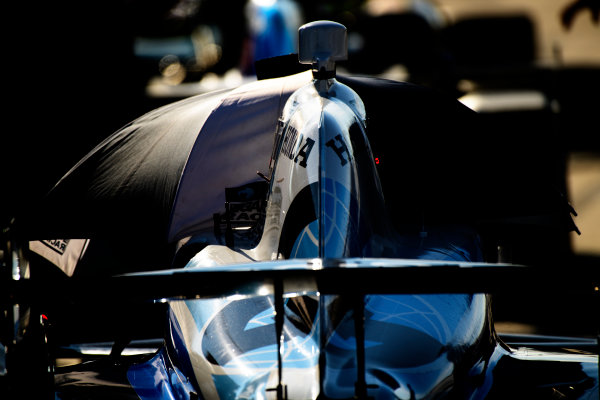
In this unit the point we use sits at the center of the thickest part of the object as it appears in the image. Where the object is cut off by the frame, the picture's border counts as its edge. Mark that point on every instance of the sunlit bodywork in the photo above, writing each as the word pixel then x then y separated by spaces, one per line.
pixel 317 312
pixel 325 202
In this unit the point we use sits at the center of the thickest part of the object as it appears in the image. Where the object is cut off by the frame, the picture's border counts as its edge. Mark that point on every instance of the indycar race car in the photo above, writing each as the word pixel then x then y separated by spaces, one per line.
pixel 327 275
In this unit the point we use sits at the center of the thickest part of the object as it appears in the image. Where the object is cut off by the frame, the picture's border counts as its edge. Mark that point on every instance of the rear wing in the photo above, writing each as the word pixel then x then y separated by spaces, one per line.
pixel 326 276
pixel 353 278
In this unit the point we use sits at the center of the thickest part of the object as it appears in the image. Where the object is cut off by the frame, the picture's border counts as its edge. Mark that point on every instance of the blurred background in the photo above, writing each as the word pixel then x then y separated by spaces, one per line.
pixel 76 71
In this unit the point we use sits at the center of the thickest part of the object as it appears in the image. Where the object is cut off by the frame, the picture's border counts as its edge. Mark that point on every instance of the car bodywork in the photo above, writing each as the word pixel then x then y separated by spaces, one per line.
pixel 322 296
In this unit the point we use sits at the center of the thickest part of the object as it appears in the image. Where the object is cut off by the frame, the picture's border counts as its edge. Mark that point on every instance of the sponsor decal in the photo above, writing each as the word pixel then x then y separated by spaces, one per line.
pixel 57 245
pixel 339 150
pixel 290 140
pixel 304 151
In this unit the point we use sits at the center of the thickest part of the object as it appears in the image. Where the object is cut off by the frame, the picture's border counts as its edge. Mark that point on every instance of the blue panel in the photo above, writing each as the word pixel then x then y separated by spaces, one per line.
pixel 151 379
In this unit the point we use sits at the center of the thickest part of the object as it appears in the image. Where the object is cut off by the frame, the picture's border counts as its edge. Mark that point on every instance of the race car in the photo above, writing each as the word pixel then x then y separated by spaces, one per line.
pixel 330 274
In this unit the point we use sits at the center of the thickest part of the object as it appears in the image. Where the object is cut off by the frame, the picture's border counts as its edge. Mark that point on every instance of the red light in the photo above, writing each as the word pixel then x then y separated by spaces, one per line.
pixel 377 160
